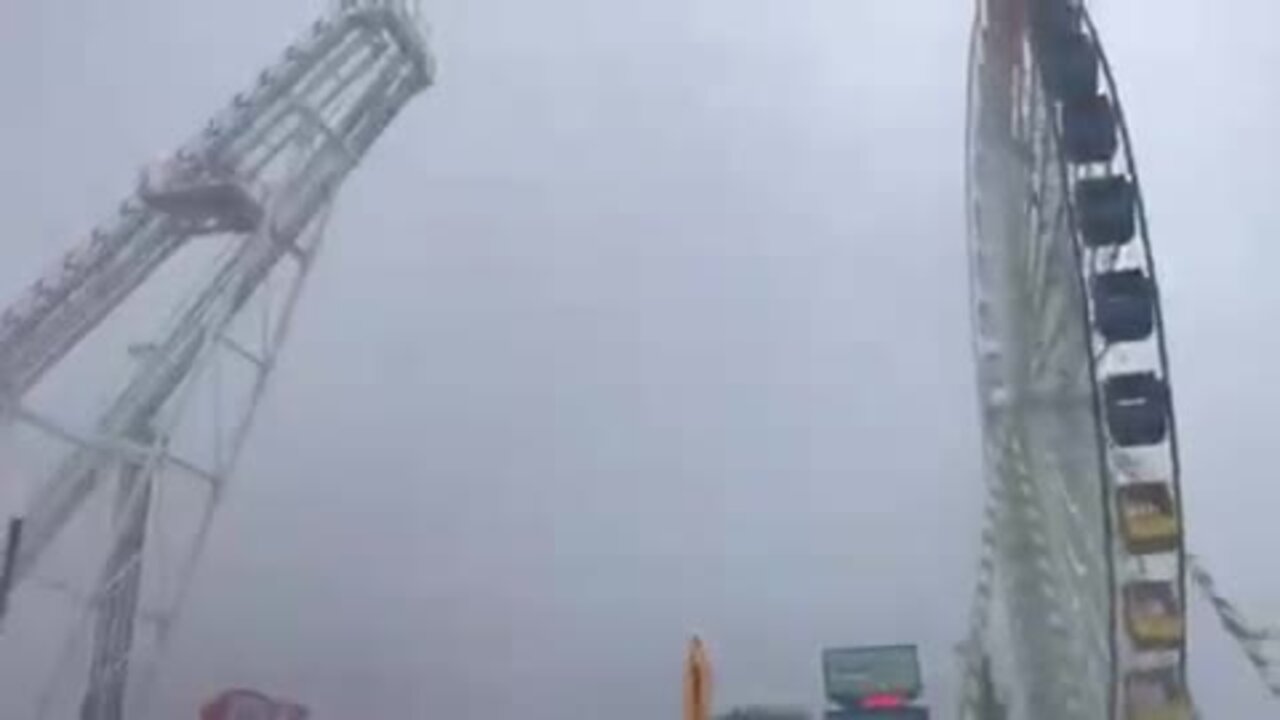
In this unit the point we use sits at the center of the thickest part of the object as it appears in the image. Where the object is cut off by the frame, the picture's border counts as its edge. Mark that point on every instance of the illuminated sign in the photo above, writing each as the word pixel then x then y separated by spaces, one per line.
pixel 900 713
pixel 853 675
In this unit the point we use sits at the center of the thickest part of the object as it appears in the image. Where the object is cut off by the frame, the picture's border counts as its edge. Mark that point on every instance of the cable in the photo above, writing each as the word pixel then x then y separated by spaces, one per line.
pixel 1261 645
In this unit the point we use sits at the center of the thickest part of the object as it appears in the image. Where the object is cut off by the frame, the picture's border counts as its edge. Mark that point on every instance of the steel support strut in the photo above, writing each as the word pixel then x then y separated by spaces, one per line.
pixel 262 175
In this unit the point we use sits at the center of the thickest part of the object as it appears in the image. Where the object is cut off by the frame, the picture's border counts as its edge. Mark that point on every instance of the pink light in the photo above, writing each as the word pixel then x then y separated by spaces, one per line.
pixel 872 702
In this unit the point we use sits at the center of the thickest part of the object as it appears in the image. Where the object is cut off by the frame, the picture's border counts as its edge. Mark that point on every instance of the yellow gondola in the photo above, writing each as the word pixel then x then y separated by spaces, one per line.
pixel 1156 695
pixel 1154 615
pixel 1149 518
pixel 1173 710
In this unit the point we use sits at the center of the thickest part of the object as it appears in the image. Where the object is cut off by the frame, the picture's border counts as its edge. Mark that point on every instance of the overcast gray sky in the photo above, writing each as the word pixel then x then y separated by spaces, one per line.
pixel 649 318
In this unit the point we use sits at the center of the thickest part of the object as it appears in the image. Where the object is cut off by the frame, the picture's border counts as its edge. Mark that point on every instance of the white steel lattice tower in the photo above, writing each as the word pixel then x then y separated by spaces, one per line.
pixel 262 176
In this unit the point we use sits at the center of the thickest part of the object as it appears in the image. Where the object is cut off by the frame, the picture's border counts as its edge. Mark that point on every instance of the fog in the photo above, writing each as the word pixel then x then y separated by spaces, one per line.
pixel 650 318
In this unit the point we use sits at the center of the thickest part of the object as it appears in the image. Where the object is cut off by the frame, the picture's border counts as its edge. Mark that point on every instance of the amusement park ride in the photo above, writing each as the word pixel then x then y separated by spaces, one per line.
pixel 1081 598
pixel 259 180
pixel 1082 591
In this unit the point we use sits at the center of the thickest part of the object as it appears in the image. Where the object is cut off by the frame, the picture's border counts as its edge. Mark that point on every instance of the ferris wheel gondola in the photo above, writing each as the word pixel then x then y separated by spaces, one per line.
pixel 1080 443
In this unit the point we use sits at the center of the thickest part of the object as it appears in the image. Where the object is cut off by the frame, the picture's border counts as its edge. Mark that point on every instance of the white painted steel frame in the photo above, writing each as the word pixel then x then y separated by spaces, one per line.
pixel 264 173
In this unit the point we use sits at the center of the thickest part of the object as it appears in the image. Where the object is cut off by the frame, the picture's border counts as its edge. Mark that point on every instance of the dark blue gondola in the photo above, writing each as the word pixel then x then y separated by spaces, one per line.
pixel 1107 210
pixel 1124 305
pixel 1070 65
pixel 1089 130
pixel 1137 409
pixel 1051 19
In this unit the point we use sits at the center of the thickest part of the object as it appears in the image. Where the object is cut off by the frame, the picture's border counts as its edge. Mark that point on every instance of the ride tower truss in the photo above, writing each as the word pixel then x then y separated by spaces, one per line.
pixel 261 179
pixel 1082 588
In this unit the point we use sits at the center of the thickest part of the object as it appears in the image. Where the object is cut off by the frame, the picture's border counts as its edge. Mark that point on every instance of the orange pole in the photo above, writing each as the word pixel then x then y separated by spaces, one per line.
pixel 697 682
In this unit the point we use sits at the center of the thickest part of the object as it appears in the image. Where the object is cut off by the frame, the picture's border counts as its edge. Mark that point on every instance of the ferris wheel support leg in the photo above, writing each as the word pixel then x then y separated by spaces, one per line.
pixel 117 607
pixel 13 539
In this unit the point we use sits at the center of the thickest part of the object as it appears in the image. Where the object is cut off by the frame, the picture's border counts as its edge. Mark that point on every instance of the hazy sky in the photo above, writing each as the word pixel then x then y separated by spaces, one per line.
pixel 649 318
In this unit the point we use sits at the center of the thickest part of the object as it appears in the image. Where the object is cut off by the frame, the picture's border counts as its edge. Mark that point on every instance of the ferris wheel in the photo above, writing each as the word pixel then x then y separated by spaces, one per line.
pixel 1084 583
